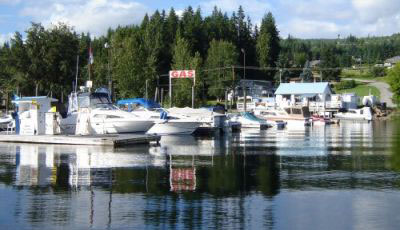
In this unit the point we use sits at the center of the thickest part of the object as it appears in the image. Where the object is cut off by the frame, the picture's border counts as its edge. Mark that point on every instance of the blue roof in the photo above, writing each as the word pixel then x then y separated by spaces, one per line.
pixel 140 101
pixel 303 88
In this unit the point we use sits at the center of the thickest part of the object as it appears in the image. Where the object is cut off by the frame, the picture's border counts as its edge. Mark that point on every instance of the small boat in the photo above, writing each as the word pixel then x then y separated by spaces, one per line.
pixel 321 120
pixel 211 120
pixel 248 120
pixel 363 114
pixel 164 122
pixel 293 116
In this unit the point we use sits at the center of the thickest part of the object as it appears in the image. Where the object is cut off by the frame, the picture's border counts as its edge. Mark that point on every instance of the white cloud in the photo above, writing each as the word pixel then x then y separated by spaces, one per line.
pixel 5 38
pixel 371 11
pixel 94 16
pixel 310 28
pixel 327 19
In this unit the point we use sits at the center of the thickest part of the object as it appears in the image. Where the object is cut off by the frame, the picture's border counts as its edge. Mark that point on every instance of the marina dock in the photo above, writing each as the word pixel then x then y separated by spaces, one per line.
pixel 103 140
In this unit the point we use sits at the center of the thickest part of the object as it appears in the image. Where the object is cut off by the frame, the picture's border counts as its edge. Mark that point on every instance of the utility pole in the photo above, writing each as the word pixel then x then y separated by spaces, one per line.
pixel 233 87
pixel 107 46
pixel 244 77
pixel 146 88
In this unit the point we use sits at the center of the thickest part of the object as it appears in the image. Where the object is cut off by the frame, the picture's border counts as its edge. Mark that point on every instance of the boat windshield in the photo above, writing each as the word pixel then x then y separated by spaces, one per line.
pixel 105 106
pixel 99 98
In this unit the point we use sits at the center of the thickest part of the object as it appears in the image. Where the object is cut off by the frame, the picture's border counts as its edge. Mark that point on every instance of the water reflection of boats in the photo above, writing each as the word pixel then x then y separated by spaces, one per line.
pixel 190 145
pixel 74 165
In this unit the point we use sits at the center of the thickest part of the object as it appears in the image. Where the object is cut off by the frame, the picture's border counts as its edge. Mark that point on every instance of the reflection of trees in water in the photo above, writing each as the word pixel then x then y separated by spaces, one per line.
pixel 221 194
pixel 395 156
pixel 337 172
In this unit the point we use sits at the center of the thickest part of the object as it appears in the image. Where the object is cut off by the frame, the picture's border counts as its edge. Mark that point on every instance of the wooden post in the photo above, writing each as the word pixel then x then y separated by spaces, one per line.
pixel 170 92
pixel 193 97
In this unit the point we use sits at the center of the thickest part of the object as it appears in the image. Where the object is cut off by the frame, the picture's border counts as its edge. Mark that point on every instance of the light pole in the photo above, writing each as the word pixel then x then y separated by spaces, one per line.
pixel 244 78
pixel 107 46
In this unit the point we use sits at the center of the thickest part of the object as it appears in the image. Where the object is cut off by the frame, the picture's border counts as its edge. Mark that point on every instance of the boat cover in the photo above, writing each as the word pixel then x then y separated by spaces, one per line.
pixel 146 103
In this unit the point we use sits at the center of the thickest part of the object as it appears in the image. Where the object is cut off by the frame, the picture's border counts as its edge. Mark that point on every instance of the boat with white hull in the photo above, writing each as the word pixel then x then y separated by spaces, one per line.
pixel 169 127
pixel 93 113
pixel 248 120
pixel 294 117
pixel 363 114
pixel 164 123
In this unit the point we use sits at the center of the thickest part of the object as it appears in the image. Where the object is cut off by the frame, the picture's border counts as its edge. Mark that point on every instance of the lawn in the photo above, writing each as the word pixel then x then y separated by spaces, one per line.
pixel 361 90
pixel 356 73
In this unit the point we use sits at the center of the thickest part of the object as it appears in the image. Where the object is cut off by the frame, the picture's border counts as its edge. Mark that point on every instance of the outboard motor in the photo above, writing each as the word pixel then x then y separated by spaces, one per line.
pixel 163 115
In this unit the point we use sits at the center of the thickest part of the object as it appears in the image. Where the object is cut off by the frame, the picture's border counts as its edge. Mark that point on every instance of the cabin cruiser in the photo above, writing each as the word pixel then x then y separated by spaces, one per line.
pixel 293 116
pixel 211 120
pixel 248 120
pixel 364 113
pixel 93 113
pixel 164 122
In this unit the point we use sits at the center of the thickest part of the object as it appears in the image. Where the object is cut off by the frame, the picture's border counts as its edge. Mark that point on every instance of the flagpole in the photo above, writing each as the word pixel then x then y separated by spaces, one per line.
pixel 76 75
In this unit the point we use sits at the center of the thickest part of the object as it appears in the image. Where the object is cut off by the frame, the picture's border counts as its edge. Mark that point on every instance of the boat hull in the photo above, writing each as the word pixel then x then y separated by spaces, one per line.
pixel 121 126
pixel 174 127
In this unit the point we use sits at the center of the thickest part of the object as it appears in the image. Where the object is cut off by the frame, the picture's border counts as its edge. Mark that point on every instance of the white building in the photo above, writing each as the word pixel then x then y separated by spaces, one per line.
pixel 304 94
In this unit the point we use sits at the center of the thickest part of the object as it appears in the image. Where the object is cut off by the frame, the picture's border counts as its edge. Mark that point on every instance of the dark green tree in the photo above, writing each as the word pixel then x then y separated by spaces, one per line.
pixel 329 64
pixel 221 54
pixel 268 47
pixel 394 81
pixel 184 60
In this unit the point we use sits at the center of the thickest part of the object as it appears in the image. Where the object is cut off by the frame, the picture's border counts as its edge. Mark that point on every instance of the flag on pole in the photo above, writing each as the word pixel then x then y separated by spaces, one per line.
pixel 91 54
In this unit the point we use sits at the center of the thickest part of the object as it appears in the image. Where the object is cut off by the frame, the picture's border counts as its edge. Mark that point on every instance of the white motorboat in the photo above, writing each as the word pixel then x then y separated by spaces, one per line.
pixel 211 120
pixel 178 126
pixel 293 116
pixel 364 113
pixel 5 121
pixel 164 123
pixel 248 120
pixel 93 113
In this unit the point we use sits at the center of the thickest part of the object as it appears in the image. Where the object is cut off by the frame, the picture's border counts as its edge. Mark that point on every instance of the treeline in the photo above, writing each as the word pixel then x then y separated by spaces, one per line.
pixel 216 46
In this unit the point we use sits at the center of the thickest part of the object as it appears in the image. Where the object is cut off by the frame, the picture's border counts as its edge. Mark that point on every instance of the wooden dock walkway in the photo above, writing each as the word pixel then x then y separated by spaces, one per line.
pixel 105 140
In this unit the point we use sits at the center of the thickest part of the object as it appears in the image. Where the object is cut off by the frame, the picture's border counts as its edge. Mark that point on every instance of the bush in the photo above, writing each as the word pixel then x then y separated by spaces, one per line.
pixel 345 85
pixel 378 71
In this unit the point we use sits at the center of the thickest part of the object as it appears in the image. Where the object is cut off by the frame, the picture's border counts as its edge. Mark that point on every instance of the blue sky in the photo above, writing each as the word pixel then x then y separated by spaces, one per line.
pixel 300 18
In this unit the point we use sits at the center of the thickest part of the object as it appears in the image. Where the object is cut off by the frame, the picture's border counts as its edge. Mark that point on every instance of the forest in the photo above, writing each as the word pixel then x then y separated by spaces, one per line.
pixel 135 59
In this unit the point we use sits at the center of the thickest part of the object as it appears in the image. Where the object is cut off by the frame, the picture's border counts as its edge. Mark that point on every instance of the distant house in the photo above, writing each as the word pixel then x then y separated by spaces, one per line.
pixel 294 93
pixel 390 62
pixel 255 88
pixel 315 63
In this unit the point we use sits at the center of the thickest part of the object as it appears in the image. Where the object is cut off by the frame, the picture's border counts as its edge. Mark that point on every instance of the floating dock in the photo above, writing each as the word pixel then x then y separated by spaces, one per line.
pixel 105 140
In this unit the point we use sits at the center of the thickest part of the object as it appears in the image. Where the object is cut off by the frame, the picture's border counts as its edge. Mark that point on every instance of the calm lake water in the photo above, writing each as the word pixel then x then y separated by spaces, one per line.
pixel 333 177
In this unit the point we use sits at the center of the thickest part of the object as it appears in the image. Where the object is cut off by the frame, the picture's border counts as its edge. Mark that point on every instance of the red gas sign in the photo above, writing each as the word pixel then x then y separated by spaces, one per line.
pixel 182 74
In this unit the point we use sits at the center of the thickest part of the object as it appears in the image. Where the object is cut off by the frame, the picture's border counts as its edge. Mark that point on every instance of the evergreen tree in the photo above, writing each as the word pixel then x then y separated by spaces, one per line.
pixel 129 64
pixel 221 54
pixel 244 39
pixel 306 75
pixel 183 60
pixel 268 47
pixel 394 81
pixel 329 64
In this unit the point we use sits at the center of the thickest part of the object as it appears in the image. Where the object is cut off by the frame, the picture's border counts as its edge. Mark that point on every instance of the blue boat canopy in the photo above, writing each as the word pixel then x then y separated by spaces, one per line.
pixel 146 103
